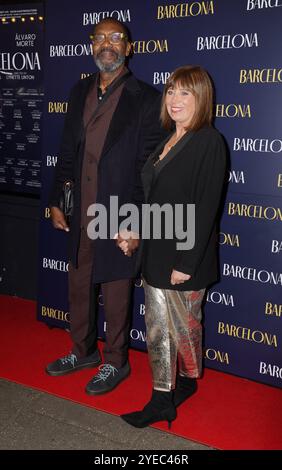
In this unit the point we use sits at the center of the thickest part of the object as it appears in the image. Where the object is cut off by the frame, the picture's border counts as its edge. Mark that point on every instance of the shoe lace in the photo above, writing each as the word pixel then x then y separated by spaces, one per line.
pixel 69 358
pixel 105 371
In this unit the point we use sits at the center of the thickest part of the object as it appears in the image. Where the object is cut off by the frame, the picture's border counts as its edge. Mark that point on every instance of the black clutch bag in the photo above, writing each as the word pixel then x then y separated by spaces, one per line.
pixel 66 200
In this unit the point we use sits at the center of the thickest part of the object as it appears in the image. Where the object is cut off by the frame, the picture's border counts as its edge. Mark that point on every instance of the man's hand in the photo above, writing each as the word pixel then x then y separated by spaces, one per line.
pixel 178 277
pixel 127 241
pixel 58 219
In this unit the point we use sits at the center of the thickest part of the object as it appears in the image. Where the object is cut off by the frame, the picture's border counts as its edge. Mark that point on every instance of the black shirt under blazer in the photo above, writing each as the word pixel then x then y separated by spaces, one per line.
pixel 192 172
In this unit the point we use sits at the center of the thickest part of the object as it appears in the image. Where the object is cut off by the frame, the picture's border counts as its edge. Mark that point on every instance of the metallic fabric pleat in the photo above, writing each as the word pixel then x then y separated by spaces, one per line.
pixel 174 331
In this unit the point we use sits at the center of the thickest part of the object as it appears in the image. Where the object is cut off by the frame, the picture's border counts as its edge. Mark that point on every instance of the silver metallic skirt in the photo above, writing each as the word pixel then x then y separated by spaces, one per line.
pixel 174 332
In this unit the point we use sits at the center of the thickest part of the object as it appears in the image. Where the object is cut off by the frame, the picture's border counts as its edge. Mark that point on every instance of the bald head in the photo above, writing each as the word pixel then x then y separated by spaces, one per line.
pixel 113 21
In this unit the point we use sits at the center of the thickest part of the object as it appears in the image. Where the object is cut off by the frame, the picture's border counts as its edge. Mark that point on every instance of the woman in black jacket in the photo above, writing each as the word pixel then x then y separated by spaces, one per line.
pixel 187 170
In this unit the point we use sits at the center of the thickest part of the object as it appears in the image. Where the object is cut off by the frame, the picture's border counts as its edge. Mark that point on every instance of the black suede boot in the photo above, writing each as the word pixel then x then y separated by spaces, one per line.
pixel 185 388
pixel 159 408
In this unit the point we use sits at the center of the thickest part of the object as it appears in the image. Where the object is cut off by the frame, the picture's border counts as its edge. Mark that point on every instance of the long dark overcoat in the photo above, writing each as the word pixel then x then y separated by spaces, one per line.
pixel 133 133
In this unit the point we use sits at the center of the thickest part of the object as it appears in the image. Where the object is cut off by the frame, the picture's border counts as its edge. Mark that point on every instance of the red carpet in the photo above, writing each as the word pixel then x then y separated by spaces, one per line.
pixel 226 413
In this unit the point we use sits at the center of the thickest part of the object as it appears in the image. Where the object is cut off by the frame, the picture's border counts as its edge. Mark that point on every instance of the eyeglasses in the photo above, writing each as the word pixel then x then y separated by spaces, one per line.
pixel 114 38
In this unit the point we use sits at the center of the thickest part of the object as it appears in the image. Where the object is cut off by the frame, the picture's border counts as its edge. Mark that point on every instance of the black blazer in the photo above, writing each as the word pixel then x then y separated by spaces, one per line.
pixel 133 133
pixel 191 173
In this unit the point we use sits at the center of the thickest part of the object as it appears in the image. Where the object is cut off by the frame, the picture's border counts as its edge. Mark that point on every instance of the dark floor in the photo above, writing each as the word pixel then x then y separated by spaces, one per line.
pixel 30 419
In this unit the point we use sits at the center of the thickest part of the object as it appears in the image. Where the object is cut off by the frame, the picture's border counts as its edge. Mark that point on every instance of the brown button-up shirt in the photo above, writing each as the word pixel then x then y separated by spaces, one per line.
pixel 96 133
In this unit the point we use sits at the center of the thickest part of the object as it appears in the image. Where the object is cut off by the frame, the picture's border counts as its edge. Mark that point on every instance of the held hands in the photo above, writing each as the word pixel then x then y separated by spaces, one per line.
pixel 58 219
pixel 178 277
pixel 127 241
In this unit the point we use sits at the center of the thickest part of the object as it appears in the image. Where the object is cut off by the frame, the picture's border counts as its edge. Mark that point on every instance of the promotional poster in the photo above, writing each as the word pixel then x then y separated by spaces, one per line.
pixel 21 98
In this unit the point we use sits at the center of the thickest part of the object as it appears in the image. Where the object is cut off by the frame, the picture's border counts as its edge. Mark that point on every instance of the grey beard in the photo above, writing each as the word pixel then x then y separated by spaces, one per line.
pixel 109 67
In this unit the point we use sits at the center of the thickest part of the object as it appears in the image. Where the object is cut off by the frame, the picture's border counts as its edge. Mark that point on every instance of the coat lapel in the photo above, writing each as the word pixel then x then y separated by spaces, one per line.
pixel 149 174
pixel 88 85
pixel 84 93
pixel 173 152
pixel 124 113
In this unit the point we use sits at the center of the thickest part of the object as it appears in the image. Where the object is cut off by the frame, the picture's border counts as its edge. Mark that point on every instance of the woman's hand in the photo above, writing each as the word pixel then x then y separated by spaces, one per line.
pixel 178 277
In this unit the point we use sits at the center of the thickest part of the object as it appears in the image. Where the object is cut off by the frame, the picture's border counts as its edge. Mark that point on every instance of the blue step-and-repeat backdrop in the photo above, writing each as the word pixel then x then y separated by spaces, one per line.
pixel 239 43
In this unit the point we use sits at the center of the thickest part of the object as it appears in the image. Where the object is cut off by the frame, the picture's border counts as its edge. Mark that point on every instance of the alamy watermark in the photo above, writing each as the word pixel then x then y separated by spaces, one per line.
pixel 169 221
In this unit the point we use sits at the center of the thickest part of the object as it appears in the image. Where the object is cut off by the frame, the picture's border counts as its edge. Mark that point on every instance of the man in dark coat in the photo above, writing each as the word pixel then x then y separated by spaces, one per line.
pixel 111 127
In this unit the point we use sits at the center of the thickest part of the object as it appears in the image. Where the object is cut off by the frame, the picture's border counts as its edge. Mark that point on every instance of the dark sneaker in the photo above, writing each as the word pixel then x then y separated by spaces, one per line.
pixel 107 379
pixel 71 363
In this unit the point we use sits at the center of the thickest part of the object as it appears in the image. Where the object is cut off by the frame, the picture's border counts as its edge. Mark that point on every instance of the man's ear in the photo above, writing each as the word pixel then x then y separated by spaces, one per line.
pixel 129 49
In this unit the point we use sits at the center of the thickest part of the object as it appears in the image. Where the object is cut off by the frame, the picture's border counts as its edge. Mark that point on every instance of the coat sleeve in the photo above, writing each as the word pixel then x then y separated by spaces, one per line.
pixel 65 164
pixel 208 192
